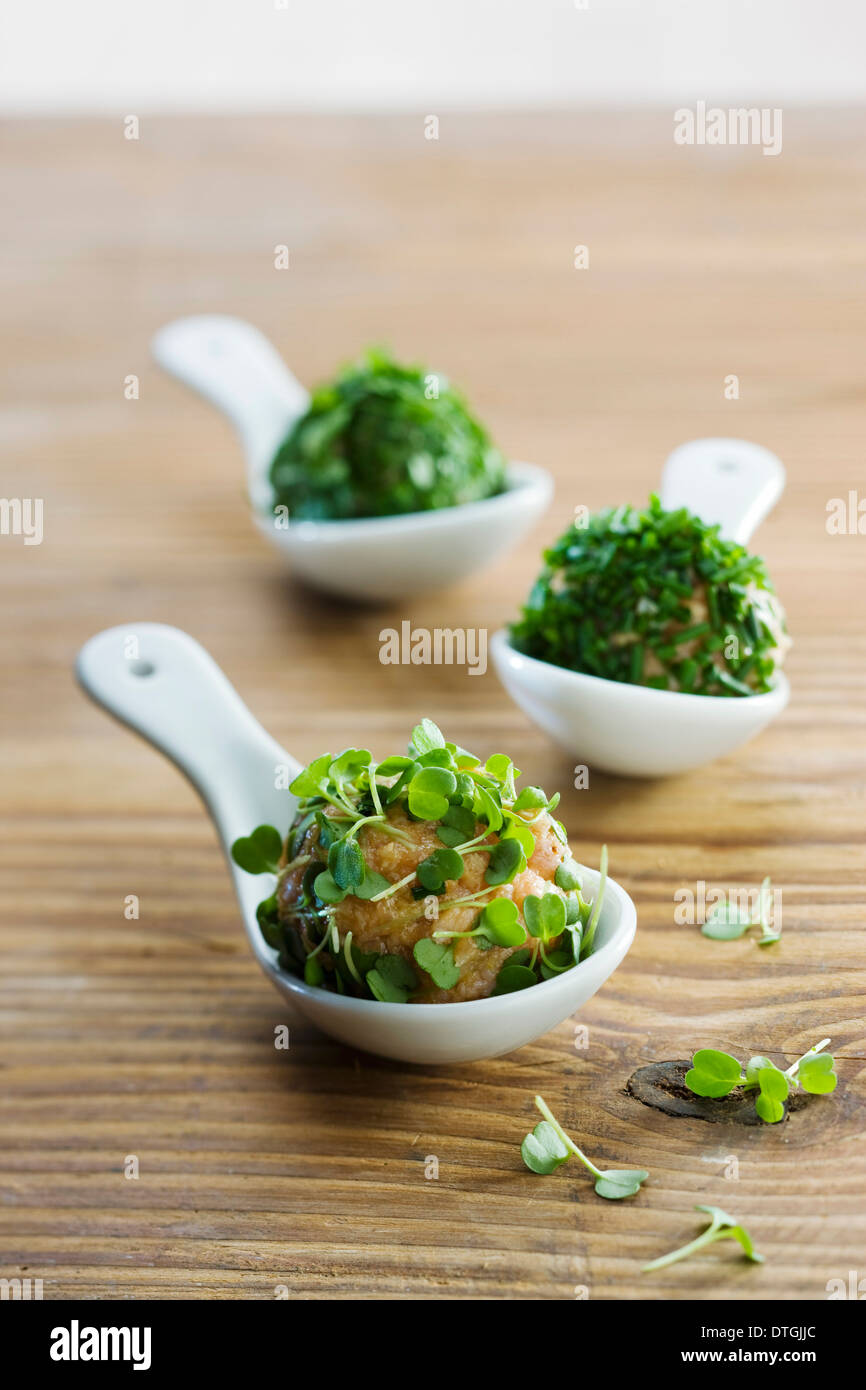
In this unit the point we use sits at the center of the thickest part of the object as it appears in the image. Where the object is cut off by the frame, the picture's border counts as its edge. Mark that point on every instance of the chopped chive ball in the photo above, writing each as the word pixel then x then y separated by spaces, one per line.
pixel 655 598
pixel 382 440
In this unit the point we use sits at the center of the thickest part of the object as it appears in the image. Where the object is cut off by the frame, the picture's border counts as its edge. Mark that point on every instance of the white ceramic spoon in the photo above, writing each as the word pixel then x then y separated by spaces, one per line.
pixel 630 729
pixel 168 689
pixel 235 367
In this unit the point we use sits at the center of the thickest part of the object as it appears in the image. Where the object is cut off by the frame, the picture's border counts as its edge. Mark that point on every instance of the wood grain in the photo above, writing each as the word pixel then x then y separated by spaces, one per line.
pixel 154 1037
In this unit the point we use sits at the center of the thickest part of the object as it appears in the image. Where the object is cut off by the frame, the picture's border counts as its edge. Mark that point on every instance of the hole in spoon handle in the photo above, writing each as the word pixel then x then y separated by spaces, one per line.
pixel 731 482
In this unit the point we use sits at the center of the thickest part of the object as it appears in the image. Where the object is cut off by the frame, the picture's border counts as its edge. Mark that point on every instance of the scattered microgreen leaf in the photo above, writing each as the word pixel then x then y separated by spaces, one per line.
pixel 544 1150
pixel 773 1092
pixel 548 1147
pixel 713 1074
pixel 721 1227
pixel 716 1074
pixel 726 922
pixel 731 919
pixel 816 1074
pixel 620 1182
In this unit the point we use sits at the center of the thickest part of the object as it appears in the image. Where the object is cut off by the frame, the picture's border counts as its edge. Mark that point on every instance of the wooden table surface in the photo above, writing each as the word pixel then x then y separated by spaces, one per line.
pixel 154 1038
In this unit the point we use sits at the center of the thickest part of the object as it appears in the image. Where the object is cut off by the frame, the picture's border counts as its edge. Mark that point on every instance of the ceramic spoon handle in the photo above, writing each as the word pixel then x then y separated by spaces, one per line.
pixel 233 365
pixel 167 688
pixel 728 481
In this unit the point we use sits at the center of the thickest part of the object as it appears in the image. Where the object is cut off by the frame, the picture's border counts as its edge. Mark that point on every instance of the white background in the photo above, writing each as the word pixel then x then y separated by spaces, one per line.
pixel 427 55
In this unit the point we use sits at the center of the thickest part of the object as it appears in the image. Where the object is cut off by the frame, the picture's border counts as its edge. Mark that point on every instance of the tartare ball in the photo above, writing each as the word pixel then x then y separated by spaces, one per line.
pixel 424 878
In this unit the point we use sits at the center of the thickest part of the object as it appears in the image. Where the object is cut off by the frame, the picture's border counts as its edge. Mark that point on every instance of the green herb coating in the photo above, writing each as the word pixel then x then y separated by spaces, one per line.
pixel 657 598
pixel 384 440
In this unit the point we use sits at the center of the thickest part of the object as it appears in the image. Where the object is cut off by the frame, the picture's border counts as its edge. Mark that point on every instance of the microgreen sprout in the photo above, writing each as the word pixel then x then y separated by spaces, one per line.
pixel 589 935
pixel 498 922
pixel 721 1227
pixel 392 980
pixel 259 852
pixel 348 804
pixel 548 1147
pixel 715 1074
pixel 438 960
pixel 729 920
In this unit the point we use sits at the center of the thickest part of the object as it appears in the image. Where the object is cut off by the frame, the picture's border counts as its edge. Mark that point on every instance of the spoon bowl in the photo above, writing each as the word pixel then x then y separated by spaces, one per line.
pixel 162 684
pixel 634 730
pixel 374 559
pixel 631 729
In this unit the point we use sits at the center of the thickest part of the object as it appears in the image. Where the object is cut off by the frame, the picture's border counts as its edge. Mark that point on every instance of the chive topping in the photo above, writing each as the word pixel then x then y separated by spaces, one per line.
pixel 657 598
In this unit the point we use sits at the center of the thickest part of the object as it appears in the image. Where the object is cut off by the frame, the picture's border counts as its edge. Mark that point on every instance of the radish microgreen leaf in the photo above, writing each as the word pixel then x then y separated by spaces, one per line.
pixel 426 736
pixel 721 1227
pixel 504 863
pixel 729 920
pixel 713 1074
pixel 548 1147
pixel 259 852
pixel 716 1074
pixel 392 980
pixel 438 960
